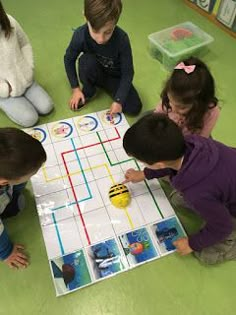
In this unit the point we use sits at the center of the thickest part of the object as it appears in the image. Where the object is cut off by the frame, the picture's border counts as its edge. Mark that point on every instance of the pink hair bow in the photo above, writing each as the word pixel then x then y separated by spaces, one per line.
pixel 187 69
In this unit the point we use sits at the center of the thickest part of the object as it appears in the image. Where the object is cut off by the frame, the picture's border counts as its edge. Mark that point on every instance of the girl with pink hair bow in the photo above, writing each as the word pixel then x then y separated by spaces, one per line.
pixel 188 98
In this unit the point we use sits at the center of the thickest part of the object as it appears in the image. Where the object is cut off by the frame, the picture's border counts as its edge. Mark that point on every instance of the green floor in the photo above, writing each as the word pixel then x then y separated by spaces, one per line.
pixel 173 285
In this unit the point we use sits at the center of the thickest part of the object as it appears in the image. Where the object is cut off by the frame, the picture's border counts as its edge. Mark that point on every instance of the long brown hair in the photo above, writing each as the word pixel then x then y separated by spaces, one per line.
pixel 5 22
pixel 196 89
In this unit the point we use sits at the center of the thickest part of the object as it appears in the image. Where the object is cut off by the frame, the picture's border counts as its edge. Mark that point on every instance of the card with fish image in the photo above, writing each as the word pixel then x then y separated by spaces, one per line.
pixel 106 259
pixel 70 272
pixel 166 232
pixel 138 246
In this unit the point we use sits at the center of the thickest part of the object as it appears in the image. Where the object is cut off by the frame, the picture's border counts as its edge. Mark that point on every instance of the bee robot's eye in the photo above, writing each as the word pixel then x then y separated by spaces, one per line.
pixel 119 196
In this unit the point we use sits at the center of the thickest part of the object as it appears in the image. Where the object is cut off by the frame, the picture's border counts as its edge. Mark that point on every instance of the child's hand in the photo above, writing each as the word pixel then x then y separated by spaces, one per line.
pixel 77 95
pixel 115 108
pixel 133 176
pixel 17 259
pixel 182 246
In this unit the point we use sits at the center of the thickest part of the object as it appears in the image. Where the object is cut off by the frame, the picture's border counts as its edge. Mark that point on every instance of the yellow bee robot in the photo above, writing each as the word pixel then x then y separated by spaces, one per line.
pixel 119 195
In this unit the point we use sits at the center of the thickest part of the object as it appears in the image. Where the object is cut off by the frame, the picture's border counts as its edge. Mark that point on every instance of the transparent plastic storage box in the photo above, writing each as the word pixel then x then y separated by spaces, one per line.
pixel 178 42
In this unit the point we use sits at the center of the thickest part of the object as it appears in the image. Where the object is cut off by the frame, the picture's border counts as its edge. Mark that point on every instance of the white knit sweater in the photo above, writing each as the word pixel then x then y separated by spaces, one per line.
pixel 16 61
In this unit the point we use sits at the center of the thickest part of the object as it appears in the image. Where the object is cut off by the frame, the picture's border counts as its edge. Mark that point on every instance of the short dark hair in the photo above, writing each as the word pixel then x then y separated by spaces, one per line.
pixel 5 22
pixel 196 89
pixel 99 12
pixel 154 138
pixel 20 154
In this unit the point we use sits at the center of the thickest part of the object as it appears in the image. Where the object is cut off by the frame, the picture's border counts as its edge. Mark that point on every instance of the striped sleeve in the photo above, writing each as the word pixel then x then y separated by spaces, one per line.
pixel 6 245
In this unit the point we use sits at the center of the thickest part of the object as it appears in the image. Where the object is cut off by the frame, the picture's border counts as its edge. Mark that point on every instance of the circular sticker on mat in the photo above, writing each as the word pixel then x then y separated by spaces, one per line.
pixel 62 129
pixel 111 119
pixel 39 134
pixel 87 123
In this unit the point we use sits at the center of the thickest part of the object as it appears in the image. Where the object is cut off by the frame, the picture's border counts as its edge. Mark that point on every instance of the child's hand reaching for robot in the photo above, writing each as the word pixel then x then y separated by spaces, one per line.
pixel 17 259
pixel 133 176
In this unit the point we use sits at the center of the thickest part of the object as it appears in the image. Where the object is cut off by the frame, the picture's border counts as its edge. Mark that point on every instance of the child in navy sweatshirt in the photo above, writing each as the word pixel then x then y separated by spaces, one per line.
pixel 105 59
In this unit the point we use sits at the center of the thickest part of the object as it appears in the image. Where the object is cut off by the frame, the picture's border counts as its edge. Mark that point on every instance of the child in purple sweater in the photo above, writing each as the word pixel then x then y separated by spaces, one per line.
pixel 202 170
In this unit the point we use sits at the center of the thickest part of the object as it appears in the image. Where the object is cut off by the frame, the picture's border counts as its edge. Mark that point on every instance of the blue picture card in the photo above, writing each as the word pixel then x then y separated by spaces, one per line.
pixel 70 272
pixel 138 246
pixel 105 259
pixel 166 232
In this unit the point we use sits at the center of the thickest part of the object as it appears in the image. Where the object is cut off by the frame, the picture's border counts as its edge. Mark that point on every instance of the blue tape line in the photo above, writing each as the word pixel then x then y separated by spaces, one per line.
pixel 71 204
pixel 87 198
pixel 58 234
pixel 81 168
pixel 86 183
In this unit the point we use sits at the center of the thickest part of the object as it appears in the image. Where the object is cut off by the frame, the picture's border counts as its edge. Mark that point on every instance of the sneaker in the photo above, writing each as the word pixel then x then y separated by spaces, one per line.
pixel 81 104
pixel 87 99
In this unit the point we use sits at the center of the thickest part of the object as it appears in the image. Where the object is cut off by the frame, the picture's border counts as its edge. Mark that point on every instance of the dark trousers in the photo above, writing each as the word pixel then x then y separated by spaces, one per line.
pixel 12 208
pixel 92 75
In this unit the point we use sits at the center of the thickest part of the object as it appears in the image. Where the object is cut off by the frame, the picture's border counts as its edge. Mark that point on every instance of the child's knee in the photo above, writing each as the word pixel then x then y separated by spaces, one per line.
pixel 39 98
pixel 209 257
pixel 132 109
pixel 217 254
pixel 133 104
pixel 46 106
pixel 27 119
